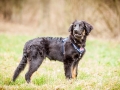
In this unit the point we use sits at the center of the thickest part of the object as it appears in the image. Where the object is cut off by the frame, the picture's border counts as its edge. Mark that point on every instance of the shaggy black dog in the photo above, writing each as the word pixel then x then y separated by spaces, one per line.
pixel 67 50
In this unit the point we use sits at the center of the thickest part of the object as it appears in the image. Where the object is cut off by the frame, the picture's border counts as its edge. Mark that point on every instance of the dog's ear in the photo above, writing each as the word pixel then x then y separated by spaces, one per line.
pixel 70 28
pixel 88 27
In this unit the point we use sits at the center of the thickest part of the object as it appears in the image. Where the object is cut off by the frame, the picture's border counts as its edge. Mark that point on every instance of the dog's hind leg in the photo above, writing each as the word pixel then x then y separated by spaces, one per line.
pixel 34 63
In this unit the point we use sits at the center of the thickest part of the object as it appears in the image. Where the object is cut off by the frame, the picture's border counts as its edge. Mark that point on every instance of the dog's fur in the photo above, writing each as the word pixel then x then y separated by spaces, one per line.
pixel 36 50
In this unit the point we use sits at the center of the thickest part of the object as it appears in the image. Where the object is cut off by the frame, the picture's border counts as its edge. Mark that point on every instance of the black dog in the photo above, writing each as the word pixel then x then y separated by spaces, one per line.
pixel 67 50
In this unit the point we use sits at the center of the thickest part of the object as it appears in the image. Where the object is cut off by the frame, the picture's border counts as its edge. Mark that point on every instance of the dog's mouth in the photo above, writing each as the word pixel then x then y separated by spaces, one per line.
pixel 77 35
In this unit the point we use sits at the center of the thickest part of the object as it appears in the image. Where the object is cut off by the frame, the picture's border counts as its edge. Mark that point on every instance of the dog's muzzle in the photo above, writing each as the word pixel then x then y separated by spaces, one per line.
pixel 76 31
pixel 76 34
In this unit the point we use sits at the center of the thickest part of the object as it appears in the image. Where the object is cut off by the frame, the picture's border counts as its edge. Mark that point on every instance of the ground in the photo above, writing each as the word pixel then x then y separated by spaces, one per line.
pixel 98 70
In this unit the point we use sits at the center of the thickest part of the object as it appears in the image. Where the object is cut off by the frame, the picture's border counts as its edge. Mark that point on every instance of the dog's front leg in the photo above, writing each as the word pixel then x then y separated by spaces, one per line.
pixel 74 69
pixel 67 68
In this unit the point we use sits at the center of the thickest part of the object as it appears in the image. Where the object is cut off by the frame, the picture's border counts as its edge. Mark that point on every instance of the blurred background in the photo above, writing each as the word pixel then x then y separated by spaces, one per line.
pixel 53 17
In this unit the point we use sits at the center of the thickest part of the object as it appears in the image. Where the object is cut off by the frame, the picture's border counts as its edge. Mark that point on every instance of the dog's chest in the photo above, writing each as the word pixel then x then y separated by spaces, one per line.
pixel 70 50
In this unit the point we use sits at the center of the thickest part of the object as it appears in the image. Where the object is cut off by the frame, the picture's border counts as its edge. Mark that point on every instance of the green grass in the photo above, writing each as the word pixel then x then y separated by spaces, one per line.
pixel 98 70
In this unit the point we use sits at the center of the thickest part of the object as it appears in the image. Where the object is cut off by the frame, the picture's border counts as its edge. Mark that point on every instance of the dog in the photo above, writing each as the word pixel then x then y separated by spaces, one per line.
pixel 67 50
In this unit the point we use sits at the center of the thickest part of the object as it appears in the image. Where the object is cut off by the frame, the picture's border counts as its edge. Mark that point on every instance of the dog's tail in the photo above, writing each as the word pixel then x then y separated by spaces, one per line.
pixel 20 67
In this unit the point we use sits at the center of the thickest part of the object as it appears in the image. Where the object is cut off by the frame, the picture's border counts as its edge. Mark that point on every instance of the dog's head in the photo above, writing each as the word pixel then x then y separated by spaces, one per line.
pixel 80 28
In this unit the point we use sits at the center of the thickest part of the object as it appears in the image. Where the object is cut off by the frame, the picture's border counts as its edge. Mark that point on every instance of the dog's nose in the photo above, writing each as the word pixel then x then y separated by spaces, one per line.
pixel 76 31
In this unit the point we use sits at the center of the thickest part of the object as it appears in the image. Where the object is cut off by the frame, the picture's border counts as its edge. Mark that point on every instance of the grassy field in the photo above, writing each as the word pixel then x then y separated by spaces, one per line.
pixel 98 70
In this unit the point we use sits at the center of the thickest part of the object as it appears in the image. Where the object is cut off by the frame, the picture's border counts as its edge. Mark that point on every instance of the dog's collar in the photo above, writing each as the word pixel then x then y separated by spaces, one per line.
pixel 80 50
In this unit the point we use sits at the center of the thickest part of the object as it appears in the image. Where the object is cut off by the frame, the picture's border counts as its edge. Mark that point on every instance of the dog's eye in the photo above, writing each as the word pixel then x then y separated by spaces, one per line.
pixel 75 25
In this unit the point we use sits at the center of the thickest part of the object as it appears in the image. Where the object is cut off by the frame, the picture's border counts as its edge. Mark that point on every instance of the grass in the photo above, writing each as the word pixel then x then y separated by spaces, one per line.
pixel 98 70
